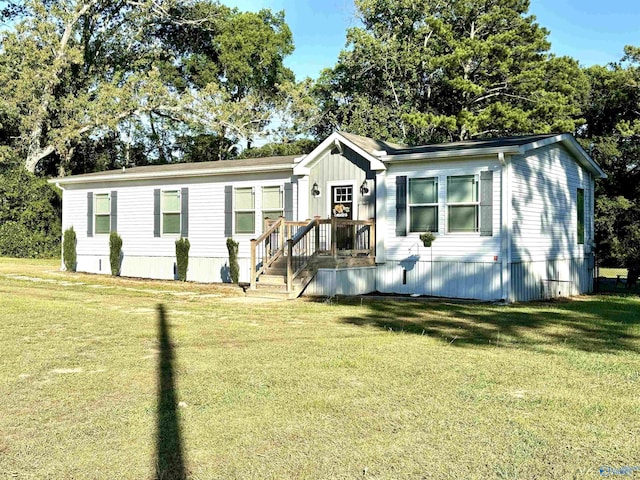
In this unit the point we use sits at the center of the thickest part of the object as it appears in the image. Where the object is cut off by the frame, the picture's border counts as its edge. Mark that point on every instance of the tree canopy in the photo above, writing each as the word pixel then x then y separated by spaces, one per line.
pixel 447 70
pixel 148 70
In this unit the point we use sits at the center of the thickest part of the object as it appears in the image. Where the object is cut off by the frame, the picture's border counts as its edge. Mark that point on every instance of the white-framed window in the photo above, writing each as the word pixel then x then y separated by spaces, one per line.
pixel 462 204
pixel 423 204
pixel 170 212
pixel 245 213
pixel 102 213
pixel 272 203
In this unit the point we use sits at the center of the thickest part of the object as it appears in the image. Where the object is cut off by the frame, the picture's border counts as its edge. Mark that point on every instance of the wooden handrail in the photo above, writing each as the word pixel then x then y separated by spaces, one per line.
pixel 255 272
pixel 271 229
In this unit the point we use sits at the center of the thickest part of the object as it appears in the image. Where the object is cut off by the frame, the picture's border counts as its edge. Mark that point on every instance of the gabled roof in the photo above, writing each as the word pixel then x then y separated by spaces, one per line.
pixel 179 170
pixel 363 146
pixel 372 146
pixel 378 153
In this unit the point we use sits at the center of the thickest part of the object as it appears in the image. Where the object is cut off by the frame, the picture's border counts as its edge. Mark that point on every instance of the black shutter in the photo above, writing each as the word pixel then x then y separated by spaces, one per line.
pixel 184 212
pixel 156 212
pixel 288 201
pixel 401 206
pixel 89 214
pixel 114 211
pixel 486 203
pixel 228 211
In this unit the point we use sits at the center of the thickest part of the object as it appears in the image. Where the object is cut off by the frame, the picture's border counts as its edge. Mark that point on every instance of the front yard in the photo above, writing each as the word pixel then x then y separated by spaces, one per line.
pixel 124 379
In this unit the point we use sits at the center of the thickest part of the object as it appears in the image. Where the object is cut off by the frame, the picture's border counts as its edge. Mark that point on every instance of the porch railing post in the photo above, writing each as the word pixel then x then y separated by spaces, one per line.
pixel 281 233
pixel 289 265
pixel 253 265
pixel 372 238
pixel 334 231
pixel 317 232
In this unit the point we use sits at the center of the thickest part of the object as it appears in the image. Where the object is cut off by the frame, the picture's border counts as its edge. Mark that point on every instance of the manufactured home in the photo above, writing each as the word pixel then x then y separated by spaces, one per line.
pixel 511 218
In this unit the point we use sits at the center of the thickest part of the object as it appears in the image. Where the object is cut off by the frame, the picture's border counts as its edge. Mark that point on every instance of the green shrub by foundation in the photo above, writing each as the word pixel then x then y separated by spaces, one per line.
pixel 69 250
pixel 234 268
pixel 115 253
pixel 182 258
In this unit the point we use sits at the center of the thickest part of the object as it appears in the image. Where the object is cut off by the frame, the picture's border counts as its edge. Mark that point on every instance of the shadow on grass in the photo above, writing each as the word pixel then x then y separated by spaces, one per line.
pixel 599 324
pixel 169 453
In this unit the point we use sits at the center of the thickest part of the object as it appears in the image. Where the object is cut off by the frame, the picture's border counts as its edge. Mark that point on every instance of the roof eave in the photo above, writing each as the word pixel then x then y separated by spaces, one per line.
pixel 169 174
pixel 448 154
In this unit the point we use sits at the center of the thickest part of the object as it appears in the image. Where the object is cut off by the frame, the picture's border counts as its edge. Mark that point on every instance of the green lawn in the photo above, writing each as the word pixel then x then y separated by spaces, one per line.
pixel 125 379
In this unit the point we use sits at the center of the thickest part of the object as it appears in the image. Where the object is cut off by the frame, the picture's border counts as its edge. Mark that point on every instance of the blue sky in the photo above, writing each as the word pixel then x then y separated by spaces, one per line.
pixel 591 31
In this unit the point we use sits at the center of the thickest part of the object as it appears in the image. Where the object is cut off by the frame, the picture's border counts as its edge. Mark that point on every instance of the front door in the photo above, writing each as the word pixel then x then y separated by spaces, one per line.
pixel 342 208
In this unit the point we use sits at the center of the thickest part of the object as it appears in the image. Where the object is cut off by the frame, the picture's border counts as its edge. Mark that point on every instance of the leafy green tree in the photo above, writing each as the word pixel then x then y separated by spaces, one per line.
pixel 449 70
pixel 29 215
pixel 612 136
pixel 146 71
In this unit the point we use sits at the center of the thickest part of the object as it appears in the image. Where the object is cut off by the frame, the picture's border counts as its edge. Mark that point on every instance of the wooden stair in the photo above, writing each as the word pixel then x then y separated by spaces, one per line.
pixel 273 282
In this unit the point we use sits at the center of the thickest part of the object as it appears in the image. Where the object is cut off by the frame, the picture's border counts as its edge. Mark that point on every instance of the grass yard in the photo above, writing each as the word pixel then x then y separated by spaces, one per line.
pixel 104 378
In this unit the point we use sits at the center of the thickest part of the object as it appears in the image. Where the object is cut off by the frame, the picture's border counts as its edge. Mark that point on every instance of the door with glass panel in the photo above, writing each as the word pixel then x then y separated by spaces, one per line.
pixel 342 208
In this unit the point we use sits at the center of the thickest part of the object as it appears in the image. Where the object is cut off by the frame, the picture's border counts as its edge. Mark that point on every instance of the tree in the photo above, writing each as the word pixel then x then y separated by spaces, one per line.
pixel 29 215
pixel 142 70
pixel 443 70
pixel 612 136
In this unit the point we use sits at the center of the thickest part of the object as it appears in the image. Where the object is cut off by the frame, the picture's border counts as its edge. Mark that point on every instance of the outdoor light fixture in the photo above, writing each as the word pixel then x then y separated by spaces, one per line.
pixel 315 190
pixel 364 189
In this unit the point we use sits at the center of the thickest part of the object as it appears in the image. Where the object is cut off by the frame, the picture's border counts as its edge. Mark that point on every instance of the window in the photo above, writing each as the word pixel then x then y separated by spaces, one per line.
pixel 462 203
pixel 245 210
pixel 102 213
pixel 580 216
pixel 343 194
pixel 171 212
pixel 423 204
pixel 271 203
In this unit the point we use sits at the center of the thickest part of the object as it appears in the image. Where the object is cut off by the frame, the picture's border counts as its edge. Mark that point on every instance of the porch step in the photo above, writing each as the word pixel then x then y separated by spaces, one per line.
pixel 270 291
pixel 279 271
pixel 273 279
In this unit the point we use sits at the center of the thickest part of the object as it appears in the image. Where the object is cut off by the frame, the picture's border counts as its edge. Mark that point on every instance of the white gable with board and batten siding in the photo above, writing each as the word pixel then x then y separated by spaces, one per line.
pixel 512 217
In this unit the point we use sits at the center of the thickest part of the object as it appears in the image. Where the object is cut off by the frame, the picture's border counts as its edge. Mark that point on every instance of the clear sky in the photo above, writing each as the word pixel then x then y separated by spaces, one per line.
pixel 591 31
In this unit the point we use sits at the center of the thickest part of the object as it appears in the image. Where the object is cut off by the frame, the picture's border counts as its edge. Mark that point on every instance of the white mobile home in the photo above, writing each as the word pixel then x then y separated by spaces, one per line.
pixel 512 218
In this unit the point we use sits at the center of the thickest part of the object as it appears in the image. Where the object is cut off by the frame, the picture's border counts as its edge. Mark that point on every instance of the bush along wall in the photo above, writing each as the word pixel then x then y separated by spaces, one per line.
pixel 234 268
pixel 115 253
pixel 69 250
pixel 182 258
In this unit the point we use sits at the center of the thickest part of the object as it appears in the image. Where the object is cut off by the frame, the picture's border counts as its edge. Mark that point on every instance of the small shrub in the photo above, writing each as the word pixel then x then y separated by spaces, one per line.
pixel 69 250
pixel 234 268
pixel 115 253
pixel 182 258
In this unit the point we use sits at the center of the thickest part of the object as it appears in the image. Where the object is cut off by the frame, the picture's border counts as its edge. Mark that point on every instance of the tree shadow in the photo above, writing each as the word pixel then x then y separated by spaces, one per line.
pixel 608 324
pixel 169 452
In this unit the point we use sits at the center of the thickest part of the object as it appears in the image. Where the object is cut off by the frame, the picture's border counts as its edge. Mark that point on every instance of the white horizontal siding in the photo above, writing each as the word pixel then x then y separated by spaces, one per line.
pixel 544 205
pixel 452 246
pixel 135 224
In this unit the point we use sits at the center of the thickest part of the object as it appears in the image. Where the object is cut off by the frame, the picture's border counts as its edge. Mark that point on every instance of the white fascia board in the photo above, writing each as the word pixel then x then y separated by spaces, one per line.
pixel 304 167
pixel 168 174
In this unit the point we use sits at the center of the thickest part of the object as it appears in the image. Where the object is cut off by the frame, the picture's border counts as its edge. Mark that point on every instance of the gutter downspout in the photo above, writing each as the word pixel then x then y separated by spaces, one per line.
pixel 505 231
